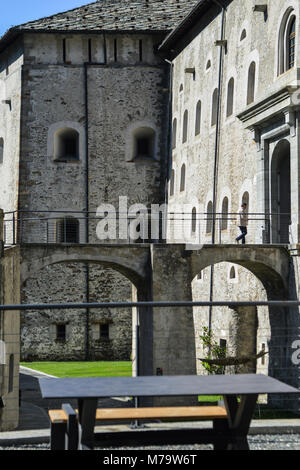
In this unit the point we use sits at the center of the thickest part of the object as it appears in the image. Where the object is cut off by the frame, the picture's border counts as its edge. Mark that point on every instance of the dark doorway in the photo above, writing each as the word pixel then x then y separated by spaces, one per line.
pixel 281 192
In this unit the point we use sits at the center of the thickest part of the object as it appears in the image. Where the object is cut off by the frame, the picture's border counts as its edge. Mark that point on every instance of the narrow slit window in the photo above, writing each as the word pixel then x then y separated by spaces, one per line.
pixel 214 111
pixel 224 221
pixel 209 217
pixel 198 118
pixel 185 126
pixel 230 97
pixel 291 43
pixel 141 50
pixel 172 183
pixel 116 50
pixel 1 150
pixel 251 83
pixel 64 50
pixel 182 178
pixel 194 220
pixel 174 134
pixel 90 50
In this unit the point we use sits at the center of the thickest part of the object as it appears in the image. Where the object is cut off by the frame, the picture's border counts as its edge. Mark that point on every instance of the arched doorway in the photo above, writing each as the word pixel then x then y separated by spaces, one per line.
pixel 281 193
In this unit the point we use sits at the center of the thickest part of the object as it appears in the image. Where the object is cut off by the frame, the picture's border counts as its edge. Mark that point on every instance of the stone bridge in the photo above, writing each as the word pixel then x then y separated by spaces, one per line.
pixel 164 273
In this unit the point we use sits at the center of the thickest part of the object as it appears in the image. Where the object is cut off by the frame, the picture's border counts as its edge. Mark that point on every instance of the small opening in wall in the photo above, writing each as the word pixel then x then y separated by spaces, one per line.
pixel 61 332
pixel 115 50
pixel 232 274
pixel 199 276
pixel 67 230
pixel 208 65
pixel 64 50
pixel 104 331
pixel 172 183
pixel 243 35
pixel 90 50
pixel 141 50
pixel 144 143
pixel 66 145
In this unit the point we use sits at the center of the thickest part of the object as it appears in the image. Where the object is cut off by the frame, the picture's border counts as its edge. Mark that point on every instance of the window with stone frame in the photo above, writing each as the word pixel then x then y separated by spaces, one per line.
pixel 67 230
pixel 251 83
pixel 61 332
pixel 172 183
pixel 198 118
pixel 287 42
pixel 144 143
pixel 230 97
pixel 214 107
pixel 66 145
pixel 174 134
pixel 182 178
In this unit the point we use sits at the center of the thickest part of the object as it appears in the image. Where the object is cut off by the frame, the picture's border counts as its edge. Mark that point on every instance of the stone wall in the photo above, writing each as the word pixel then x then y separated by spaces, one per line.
pixel 105 102
pixel 250 37
pixel 10 335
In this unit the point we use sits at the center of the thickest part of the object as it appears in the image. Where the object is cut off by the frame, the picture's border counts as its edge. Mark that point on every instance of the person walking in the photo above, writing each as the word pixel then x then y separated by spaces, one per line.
pixel 243 223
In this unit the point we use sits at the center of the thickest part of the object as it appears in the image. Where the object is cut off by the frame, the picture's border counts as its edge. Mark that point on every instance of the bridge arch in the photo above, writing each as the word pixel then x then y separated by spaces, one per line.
pixel 129 261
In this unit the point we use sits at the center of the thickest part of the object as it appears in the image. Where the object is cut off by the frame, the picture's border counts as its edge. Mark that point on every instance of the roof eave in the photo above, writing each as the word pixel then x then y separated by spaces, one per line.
pixel 167 47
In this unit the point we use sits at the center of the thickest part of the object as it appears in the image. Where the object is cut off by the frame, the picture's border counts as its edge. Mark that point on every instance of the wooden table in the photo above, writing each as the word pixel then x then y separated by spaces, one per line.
pixel 240 393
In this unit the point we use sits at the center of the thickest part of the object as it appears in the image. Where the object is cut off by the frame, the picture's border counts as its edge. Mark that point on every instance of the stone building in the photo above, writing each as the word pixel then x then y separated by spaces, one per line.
pixel 235 121
pixel 84 120
pixel 9 335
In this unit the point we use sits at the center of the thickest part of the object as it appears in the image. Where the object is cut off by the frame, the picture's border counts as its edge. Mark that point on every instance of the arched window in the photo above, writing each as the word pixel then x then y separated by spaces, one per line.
pixel 245 199
pixel 194 220
pixel 232 274
pixel 185 126
pixel 224 221
pixel 1 150
pixel 198 118
pixel 251 83
pixel 67 230
pixel 144 143
pixel 182 178
pixel 287 42
pixel 209 217
pixel 230 97
pixel 172 183
pixel 174 134
pixel 291 41
pixel 243 35
pixel 66 145
pixel 214 107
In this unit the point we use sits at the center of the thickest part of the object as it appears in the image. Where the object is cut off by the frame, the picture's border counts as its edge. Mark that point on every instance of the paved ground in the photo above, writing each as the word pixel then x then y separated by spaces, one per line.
pixel 34 431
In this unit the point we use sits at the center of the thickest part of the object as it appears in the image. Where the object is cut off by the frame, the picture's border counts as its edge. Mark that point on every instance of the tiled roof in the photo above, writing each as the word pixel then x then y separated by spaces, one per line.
pixel 114 15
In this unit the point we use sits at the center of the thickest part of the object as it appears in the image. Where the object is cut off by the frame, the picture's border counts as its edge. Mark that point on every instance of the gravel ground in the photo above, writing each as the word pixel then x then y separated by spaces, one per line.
pixel 258 442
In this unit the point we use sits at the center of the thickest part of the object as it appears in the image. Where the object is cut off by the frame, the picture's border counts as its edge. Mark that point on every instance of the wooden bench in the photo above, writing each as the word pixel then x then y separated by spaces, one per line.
pixel 64 421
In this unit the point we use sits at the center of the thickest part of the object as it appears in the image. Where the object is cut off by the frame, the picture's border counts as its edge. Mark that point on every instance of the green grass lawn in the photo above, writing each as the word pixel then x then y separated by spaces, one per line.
pixel 83 369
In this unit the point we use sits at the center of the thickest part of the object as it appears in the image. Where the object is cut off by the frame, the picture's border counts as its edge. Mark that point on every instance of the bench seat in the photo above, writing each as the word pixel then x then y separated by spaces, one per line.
pixel 127 414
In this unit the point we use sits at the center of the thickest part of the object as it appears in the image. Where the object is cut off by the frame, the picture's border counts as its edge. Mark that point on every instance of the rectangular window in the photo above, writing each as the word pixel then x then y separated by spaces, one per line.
pixel 141 50
pixel 61 332
pixel 104 331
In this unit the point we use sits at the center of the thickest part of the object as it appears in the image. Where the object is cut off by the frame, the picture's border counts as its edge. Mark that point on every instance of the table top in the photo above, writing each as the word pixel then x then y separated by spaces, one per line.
pixel 103 387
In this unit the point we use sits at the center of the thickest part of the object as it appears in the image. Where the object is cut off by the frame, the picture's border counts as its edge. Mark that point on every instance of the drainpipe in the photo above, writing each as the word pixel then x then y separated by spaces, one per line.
pixel 169 156
pixel 87 268
pixel 216 155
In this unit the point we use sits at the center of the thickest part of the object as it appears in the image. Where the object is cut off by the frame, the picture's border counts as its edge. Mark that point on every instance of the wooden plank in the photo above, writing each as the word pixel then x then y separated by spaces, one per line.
pixel 58 416
pixel 199 412
pixel 124 414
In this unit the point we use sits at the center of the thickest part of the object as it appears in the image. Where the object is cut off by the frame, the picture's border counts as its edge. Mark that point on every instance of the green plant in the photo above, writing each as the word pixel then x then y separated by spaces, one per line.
pixel 214 351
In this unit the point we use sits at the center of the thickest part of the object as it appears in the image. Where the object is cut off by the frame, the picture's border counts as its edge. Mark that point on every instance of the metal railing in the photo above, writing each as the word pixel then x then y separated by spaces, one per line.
pixel 71 227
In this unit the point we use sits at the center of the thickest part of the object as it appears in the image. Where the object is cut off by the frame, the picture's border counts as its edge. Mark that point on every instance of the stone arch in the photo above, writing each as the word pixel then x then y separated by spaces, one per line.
pixel 126 261
pixel 270 265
